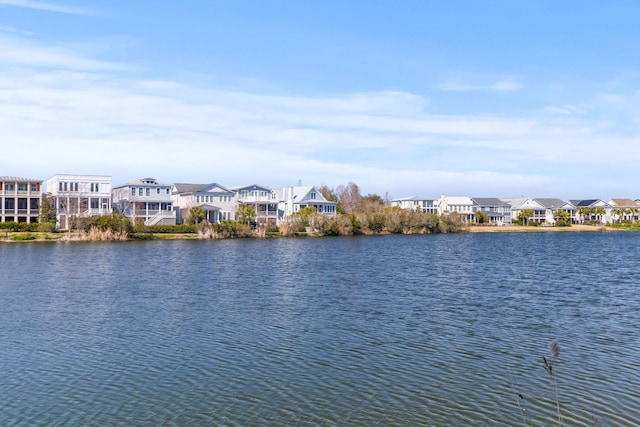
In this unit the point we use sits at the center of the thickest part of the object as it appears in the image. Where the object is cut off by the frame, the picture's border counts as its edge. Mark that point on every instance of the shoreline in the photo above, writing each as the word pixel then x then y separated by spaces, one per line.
pixel 538 229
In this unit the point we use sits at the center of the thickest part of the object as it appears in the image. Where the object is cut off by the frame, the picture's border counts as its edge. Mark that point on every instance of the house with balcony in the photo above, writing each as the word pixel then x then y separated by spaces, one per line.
pixel 79 196
pixel 462 206
pixel 624 209
pixel 520 204
pixel 217 202
pixel 263 200
pixel 416 203
pixel 20 199
pixel 592 210
pixel 145 200
pixel 292 199
pixel 552 206
pixel 497 211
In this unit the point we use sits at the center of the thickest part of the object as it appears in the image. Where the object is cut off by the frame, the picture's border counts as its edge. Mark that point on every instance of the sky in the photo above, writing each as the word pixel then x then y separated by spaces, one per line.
pixel 504 98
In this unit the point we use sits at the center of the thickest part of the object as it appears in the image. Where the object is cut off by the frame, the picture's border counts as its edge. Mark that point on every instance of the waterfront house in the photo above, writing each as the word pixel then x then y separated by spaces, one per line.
pixel 497 211
pixel 552 206
pixel 624 209
pixel 217 202
pixel 263 200
pixel 462 206
pixel 292 199
pixel 594 210
pixel 79 196
pixel 146 200
pixel 416 203
pixel 20 199
pixel 519 204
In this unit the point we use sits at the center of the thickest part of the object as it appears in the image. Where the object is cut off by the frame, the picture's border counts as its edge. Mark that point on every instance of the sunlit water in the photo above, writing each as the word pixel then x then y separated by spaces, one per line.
pixel 443 330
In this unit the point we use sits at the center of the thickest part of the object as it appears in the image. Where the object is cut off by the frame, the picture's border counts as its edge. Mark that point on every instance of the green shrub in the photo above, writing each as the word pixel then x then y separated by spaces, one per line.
pixel 172 229
pixel 47 227
pixel 117 223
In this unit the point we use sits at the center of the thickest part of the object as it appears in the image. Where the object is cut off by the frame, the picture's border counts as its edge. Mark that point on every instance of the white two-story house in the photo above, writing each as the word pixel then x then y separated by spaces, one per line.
pixel 292 199
pixel 79 196
pixel 217 202
pixel 416 203
pixel 146 200
pixel 262 199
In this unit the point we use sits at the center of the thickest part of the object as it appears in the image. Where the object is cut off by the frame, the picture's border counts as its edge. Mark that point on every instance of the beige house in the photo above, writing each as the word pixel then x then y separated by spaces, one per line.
pixel 20 199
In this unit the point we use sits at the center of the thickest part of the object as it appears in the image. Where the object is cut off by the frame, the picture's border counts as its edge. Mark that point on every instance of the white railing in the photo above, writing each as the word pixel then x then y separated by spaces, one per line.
pixel 154 220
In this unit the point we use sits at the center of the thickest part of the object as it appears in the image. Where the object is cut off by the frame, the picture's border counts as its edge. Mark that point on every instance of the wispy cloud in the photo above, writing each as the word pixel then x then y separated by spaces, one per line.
pixel 49 7
pixel 7 29
pixel 507 85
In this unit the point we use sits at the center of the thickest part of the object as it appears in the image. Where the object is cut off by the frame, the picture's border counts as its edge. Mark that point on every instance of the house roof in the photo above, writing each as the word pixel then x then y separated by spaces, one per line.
pixel 194 188
pixel 554 203
pixel 143 181
pixel 17 178
pixel 523 203
pixel 249 187
pixel 489 201
pixel 587 203
pixel 461 200
pixel 412 198
pixel 623 203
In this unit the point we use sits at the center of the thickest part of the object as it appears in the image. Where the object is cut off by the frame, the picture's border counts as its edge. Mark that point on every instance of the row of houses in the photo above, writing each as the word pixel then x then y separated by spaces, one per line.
pixel 151 201
pixel 503 211
pixel 155 202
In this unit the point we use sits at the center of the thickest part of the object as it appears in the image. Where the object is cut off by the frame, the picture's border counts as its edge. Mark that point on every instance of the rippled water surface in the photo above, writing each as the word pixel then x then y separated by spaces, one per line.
pixel 444 330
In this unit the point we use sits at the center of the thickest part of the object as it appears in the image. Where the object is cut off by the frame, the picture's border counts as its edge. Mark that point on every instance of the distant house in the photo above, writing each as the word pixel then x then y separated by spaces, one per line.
pixel 519 204
pixel 217 202
pixel 292 199
pixel 79 196
pixel 20 199
pixel 463 206
pixel 554 205
pixel 262 199
pixel 415 203
pixel 145 199
pixel 624 209
pixel 592 210
pixel 498 212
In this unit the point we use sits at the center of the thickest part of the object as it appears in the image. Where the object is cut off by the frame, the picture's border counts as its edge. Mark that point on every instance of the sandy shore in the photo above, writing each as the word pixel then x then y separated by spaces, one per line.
pixel 523 229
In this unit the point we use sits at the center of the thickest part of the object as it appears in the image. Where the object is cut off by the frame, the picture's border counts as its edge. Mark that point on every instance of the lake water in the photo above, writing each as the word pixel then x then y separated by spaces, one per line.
pixel 442 330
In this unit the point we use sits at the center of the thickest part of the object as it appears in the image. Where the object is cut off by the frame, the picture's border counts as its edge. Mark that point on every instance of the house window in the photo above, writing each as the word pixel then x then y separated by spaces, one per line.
pixel 140 191
pixel 34 187
pixel 313 196
pixel 22 186
pixel 9 203
pixel 34 204
pixel 167 191
pixel 133 191
pixel 60 186
pixel 158 190
pixel 148 192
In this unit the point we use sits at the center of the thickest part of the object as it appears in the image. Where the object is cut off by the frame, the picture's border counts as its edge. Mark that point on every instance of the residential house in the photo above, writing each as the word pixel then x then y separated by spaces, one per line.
pixel 292 199
pixel 20 199
pixel 217 202
pixel 415 203
pixel 262 199
pixel 79 196
pixel 498 212
pixel 624 209
pixel 146 200
pixel 554 205
pixel 463 206
pixel 594 210
pixel 519 204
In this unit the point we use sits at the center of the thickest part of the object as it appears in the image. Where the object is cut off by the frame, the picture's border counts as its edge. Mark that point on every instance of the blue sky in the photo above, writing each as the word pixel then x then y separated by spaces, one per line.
pixel 501 98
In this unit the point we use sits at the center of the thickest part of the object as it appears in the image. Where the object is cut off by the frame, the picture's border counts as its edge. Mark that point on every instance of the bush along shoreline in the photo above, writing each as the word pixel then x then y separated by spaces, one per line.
pixel 117 227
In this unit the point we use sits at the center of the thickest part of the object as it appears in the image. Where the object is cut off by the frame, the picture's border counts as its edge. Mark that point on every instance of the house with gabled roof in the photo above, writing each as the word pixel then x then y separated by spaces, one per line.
pixel 20 199
pixel 217 202
pixel 520 204
pixel 624 209
pixel 292 199
pixel 552 206
pixel 463 206
pixel 145 199
pixel 416 203
pixel 263 200
pixel 592 210
pixel 497 211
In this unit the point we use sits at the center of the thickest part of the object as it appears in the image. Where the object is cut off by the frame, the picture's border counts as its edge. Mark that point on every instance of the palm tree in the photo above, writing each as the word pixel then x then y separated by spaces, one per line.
pixel 525 215
pixel 246 212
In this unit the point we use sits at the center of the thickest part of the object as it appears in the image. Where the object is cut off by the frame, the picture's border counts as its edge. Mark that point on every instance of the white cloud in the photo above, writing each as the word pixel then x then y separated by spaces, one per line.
pixel 49 7
pixel 502 86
